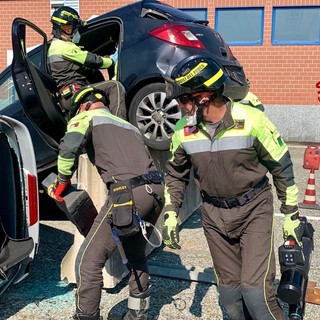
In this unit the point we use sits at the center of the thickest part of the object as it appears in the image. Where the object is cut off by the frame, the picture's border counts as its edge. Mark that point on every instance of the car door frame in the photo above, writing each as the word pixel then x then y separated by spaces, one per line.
pixel 36 89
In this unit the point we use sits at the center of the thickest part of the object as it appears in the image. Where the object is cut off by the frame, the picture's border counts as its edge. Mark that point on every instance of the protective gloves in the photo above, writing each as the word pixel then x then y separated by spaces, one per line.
pixel 56 189
pixel 170 231
pixel 293 227
pixel 114 56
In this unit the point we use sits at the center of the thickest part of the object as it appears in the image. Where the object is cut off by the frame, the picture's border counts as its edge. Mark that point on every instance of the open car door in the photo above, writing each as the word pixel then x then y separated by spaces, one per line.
pixel 19 207
pixel 36 89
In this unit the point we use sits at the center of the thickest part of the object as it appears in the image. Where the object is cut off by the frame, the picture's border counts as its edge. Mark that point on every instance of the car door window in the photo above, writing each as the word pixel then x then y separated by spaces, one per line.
pixel 8 92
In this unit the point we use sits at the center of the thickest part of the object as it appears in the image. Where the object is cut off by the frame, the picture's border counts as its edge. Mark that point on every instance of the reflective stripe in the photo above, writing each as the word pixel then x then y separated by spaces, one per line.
pixel 60 20
pixel 82 93
pixel 222 144
pixel 213 79
pixel 98 120
pixel 55 58
pixel 196 70
pixel 138 303
pixel 291 195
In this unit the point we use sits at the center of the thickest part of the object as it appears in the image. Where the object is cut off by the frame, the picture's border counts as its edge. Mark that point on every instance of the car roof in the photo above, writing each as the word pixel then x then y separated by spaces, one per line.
pixel 152 9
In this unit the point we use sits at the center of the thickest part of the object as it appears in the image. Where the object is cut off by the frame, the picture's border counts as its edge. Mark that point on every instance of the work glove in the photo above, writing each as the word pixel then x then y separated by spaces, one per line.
pixel 292 226
pixel 56 189
pixel 114 56
pixel 170 231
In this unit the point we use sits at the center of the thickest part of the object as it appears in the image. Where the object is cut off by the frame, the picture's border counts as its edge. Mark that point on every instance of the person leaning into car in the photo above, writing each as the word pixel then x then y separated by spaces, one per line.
pixel 117 149
pixel 72 67
pixel 231 147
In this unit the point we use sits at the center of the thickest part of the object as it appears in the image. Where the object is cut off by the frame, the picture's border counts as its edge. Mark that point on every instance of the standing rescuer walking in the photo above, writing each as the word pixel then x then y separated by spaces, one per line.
pixel 125 165
pixel 231 148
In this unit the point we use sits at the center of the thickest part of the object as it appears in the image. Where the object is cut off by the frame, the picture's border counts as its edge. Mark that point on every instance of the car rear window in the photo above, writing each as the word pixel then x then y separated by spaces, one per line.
pixel 162 11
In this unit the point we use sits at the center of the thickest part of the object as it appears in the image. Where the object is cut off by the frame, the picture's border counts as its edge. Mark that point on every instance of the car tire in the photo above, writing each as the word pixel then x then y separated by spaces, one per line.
pixel 154 115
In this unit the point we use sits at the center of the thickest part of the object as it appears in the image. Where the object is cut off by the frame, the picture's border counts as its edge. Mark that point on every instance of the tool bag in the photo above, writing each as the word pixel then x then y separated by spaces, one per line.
pixel 123 218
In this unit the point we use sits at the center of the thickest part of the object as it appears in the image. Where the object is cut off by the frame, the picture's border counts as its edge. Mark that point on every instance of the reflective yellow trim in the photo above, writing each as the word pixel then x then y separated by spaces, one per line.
pixel 60 20
pixel 67 13
pixel 82 93
pixel 268 269
pixel 98 96
pixel 128 203
pixel 213 79
pixel 83 254
pixel 196 70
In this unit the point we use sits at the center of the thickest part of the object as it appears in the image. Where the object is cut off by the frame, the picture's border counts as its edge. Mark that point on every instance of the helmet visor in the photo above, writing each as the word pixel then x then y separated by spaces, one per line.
pixel 174 90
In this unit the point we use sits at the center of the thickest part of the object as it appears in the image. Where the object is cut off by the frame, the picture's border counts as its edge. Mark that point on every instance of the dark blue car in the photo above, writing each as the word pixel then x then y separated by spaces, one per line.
pixel 151 38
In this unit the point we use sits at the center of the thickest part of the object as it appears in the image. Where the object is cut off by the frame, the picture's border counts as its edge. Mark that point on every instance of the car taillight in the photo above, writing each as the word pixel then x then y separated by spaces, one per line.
pixel 177 34
pixel 32 191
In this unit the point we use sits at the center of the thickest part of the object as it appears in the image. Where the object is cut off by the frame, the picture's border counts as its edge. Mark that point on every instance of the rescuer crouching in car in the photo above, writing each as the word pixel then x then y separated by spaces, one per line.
pixel 72 67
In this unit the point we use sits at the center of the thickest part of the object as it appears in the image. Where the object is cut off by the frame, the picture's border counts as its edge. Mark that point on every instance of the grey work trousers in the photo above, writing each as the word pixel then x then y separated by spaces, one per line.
pixel 117 96
pixel 240 240
pixel 99 244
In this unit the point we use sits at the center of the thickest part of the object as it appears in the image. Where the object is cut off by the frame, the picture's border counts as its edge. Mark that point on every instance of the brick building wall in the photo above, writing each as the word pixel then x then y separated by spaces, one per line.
pixel 281 75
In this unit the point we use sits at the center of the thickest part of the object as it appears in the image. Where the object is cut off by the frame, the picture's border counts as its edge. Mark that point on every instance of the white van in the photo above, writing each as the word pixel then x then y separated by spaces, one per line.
pixel 19 202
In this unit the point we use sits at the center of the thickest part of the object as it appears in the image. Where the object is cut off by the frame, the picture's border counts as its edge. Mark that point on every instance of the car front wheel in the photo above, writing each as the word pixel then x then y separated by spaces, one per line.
pixel 154 115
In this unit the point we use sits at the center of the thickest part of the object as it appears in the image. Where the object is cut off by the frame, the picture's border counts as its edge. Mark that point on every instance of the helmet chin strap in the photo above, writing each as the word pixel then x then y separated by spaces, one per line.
pixel 88 105
pixel 199 115
pixel 199 112
pixel 199 106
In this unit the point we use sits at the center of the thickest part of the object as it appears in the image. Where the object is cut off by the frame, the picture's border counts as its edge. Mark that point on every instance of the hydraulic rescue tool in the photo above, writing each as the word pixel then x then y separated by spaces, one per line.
pixel 295 263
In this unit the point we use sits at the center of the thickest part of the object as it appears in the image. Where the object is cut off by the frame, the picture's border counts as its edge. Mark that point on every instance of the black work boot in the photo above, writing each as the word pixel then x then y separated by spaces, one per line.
pixel 138 305
pixel 81 316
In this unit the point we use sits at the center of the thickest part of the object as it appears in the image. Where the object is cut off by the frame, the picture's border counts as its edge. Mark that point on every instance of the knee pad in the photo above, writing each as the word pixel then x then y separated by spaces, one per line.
pixel 232 301
pixel 139 301
pixel 258 307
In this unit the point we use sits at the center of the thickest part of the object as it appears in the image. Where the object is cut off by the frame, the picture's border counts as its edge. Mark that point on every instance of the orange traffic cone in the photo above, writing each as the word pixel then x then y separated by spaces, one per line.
pixel 309 201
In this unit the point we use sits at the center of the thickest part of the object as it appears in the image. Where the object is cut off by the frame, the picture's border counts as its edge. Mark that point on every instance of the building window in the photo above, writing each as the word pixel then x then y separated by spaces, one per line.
pixel 196 13
pixel 296 25
pixel 240 26
pixel 55 4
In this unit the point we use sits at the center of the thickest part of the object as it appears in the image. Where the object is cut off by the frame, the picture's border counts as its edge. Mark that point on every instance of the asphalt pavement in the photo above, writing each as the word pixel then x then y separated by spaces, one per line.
pixel 44 296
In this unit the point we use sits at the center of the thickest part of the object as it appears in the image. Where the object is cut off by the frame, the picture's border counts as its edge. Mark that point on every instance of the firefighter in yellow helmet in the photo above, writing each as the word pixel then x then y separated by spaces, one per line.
pixel 72 67
pixel 231 148
pixel 125 165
